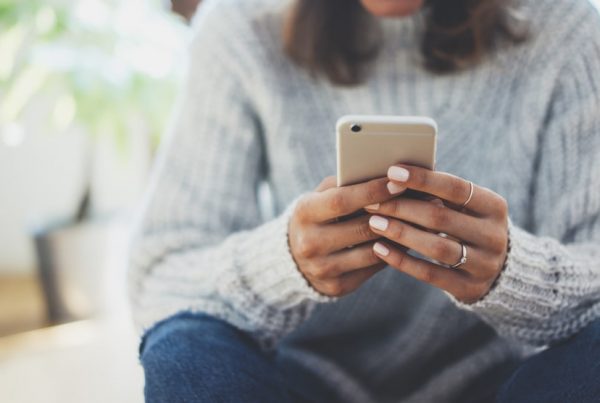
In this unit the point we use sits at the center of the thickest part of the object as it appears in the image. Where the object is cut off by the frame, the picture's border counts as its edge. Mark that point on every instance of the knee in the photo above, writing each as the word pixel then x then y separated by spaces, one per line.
pixel 178 334
pixel 180 354
pixel 199 358
pixel 187 338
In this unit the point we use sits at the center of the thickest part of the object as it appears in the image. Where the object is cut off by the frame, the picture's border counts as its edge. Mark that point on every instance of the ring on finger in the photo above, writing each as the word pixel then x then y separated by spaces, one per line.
pixel 463 257
pixel 471 191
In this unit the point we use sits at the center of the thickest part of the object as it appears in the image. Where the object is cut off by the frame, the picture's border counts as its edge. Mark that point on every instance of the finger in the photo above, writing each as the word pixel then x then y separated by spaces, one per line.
pixel 447 187
pixel 426 243
pixel 327 183
pixel 349 282
pixel 339 236
pixel 439 218
pixel 453 281
pixel 340 201
pixel 346 261
pixel 322 240
pixel 433 246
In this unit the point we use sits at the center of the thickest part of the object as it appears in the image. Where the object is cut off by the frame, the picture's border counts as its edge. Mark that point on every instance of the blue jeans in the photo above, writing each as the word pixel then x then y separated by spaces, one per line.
pixel 197 358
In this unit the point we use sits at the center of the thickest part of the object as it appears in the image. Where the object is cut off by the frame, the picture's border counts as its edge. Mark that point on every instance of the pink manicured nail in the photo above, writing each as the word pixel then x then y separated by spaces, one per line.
pixel 379 223
pixel 394 188
pixel 373 206
pixel 380 249
pixel 398 174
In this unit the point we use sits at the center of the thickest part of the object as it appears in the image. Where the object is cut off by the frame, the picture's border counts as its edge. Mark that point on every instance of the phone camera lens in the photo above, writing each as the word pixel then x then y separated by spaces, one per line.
pixel 356 128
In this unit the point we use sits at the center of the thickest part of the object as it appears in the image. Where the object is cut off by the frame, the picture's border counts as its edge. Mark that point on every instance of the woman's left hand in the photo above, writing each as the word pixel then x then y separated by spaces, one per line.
pixel 481 227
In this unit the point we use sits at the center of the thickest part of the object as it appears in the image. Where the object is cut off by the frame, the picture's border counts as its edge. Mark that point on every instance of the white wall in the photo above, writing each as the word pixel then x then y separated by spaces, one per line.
pixel 42 178
pixel 39 181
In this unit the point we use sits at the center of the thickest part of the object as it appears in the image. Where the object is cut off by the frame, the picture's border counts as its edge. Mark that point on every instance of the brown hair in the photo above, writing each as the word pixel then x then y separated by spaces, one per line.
pixel 336 37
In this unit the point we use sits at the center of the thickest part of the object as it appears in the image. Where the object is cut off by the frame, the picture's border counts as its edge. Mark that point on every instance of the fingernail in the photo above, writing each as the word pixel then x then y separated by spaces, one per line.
pixel 398 174
pixel 373 206
pixel 394 188
pixel 379 223
pixel 380 249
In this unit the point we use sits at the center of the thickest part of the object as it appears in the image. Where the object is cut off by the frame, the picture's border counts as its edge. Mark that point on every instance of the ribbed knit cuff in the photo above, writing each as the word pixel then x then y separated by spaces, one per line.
pixel 527 292
pixel 267 271
pixel 249 280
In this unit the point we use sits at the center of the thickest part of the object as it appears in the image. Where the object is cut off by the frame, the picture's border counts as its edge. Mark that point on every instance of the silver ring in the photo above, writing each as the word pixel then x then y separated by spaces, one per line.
pixel 463 258
pixel 471 191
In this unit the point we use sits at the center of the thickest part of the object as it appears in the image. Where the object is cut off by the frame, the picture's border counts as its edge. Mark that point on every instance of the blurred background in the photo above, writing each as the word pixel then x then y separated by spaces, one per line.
pixel 87 87
pixel 86 90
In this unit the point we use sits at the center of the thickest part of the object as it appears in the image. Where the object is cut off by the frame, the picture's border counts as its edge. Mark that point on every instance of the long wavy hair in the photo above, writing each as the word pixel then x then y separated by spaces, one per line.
pixel 339 38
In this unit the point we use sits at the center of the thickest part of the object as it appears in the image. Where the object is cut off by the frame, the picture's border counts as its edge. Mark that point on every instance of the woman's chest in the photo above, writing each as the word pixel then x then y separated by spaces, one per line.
pixel 482 136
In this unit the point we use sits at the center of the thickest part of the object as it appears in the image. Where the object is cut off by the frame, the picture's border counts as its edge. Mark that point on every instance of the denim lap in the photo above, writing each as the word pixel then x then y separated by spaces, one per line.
pixel 196 358
pixel 567 372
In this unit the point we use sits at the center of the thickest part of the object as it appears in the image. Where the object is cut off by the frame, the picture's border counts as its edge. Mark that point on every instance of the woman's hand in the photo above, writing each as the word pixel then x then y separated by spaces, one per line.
pixel 336 257
pixel 481 226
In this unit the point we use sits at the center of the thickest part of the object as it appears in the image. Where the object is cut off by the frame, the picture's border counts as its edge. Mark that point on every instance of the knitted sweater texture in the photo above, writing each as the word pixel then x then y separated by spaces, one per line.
pixel 525 123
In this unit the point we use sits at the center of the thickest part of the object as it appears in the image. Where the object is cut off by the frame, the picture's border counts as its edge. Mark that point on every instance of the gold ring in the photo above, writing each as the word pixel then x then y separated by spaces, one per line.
pixel 471 191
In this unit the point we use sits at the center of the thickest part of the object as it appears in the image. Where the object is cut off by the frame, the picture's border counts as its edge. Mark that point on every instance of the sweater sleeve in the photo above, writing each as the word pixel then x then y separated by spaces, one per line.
pixel 550 286
pixel 199 244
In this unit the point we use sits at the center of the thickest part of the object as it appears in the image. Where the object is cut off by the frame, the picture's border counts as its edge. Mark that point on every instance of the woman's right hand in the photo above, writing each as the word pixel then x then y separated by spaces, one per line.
pixel 336 257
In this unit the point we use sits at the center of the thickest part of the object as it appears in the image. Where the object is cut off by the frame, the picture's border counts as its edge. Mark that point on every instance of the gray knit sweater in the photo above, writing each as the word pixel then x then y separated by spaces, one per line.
pixel 525 123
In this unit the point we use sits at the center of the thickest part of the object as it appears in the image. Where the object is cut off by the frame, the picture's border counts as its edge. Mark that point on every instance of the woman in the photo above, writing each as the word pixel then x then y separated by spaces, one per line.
pixel 305 307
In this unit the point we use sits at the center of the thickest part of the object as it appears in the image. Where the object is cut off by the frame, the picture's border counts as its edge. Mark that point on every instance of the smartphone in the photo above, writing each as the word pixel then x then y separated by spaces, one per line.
pixel 368 145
